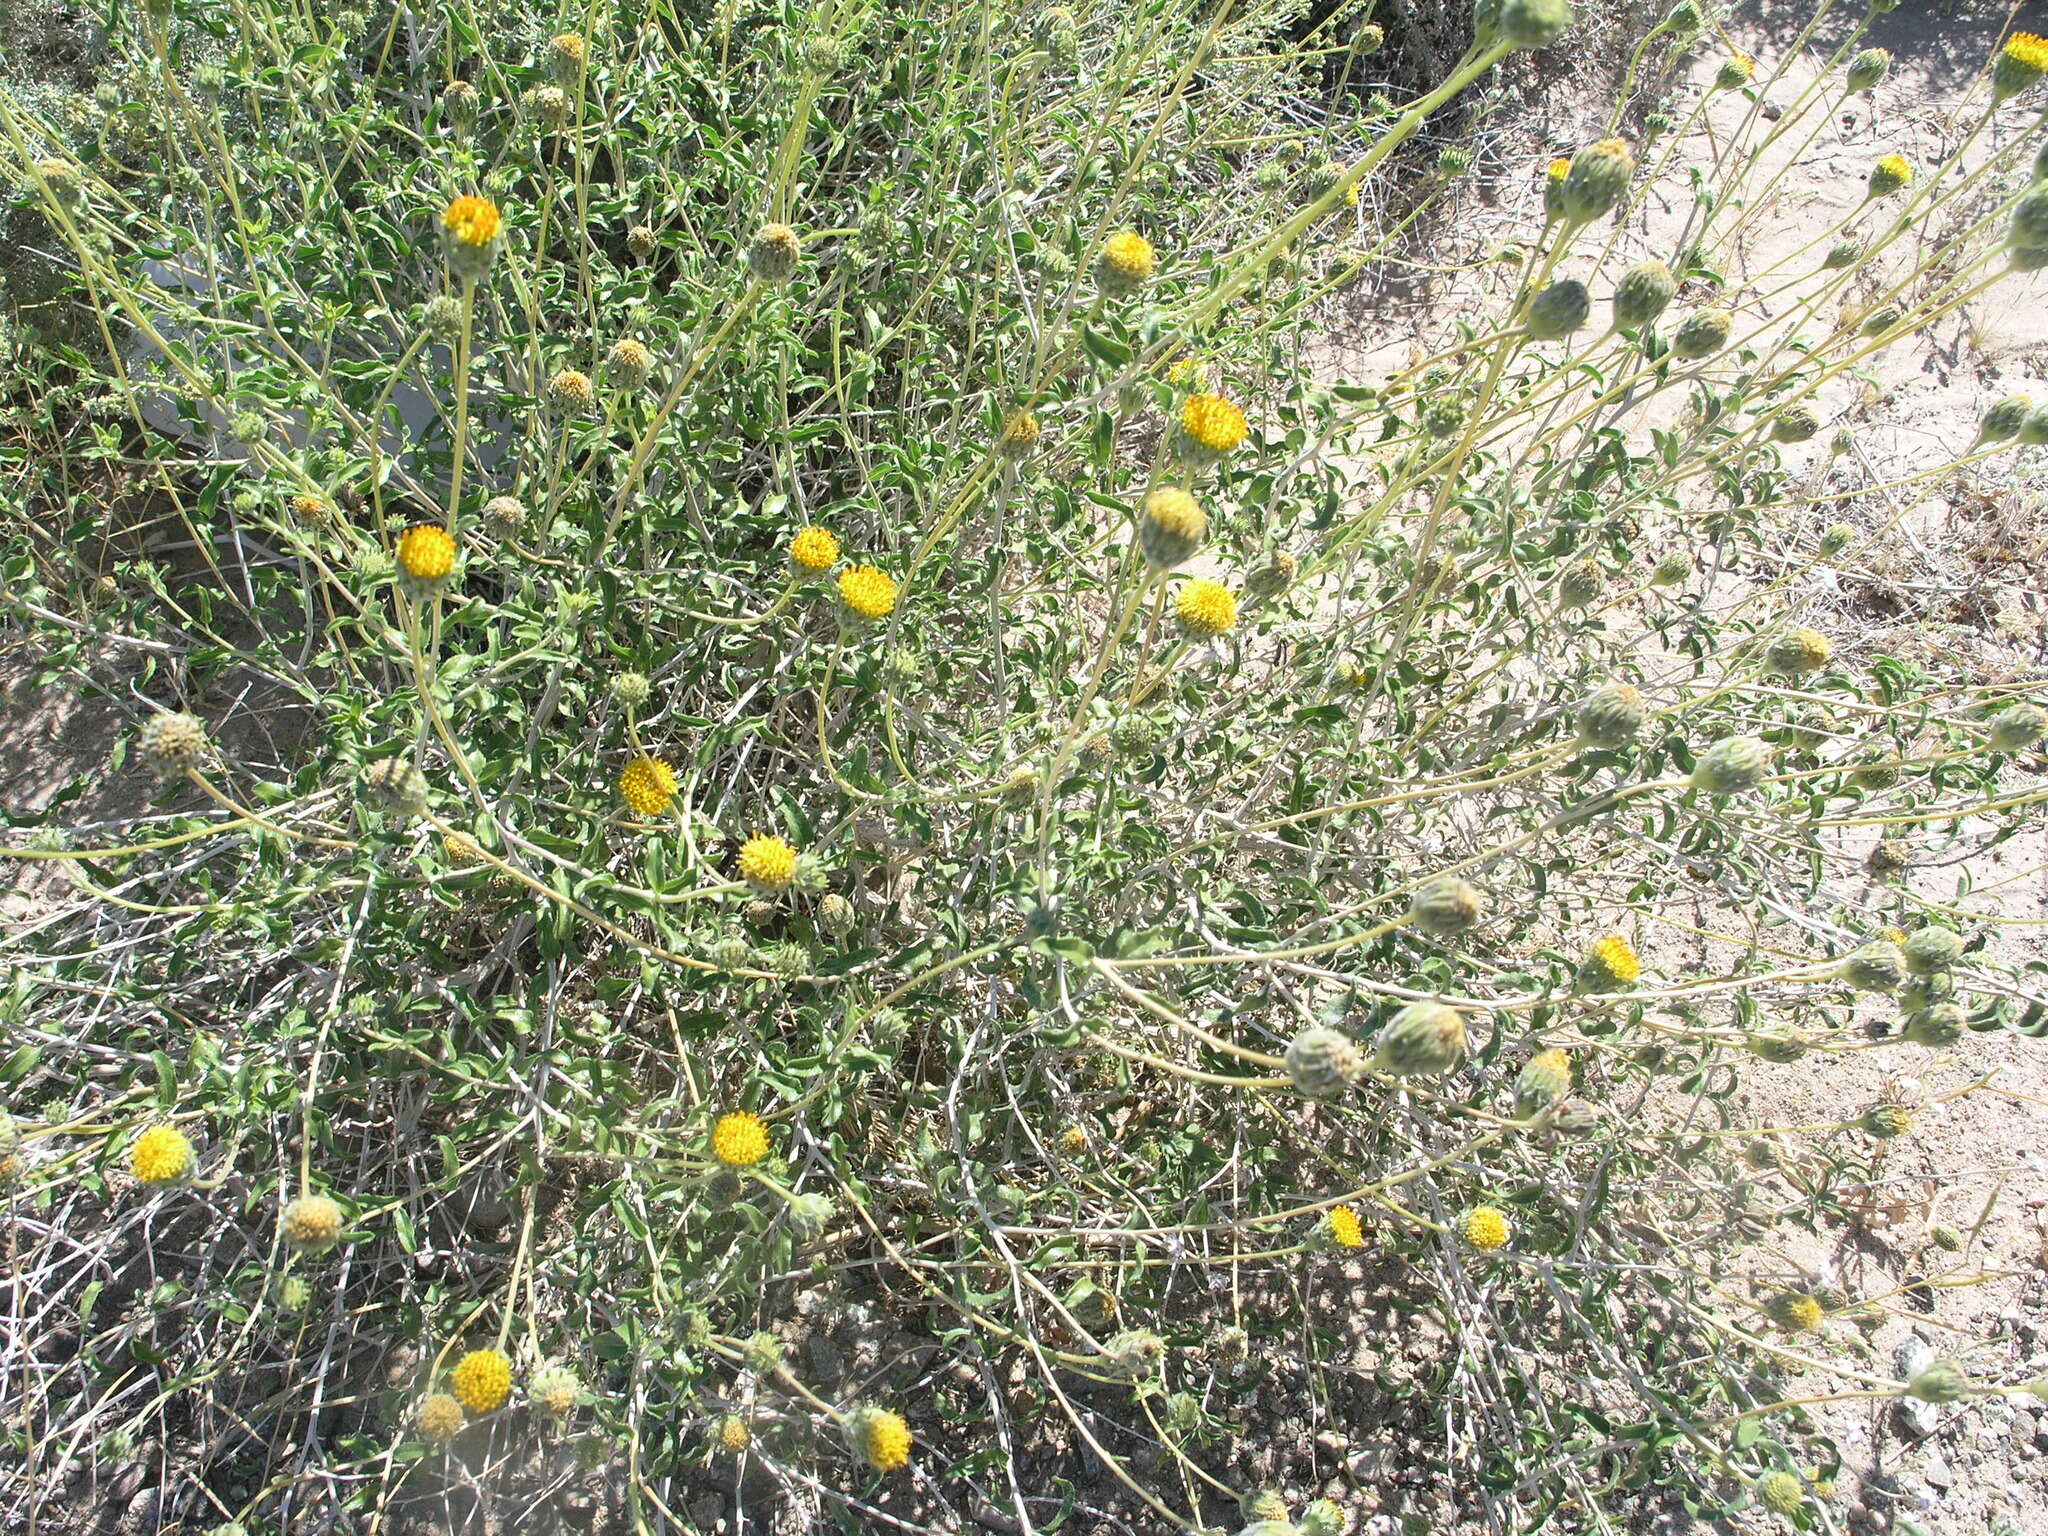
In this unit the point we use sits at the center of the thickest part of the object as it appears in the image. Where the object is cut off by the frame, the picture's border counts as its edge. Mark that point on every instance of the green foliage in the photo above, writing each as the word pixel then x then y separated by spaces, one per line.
pixel 763 986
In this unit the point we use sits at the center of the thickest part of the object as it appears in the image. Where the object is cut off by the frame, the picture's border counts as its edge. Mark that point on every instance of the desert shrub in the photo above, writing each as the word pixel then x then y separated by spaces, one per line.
pixel 822 824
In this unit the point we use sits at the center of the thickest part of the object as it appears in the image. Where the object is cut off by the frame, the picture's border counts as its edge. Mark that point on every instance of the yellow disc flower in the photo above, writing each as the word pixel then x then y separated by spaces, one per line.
pixel 814 549
pixel 1212 423
pixel 440 1418
pixel 739 1140
pixel 1205 609
pixel 1345 1230
pixel 1889 175
pixel 880 1437
pixel 472 221
pixel 733 1433
pixel 1796 1312
pixel 1127 263
pixel 867 591
pixel 426 552
pixel 767 863
pixel 312 1224
pixel 647 784
pixel 161 1155
pixel 481 1381
pixel 1611 964
pixel 2022 61
pixel 1171 526
pixel 1484 1229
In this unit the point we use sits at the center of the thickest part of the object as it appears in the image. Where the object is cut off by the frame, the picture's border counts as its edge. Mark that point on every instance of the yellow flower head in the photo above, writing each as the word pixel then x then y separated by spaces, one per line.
pixel 568 48
pixel 1019 432
pixel 1614 956
pixel 1344 1228
pixel 426 552
pixel 767 863
pixel 1889 175
pixel 867 591
pixel 2030 49
pixel 312 1223
pixel 161 1155
pixel 481 1381
pixel 461 850
pixel 1796 1312
pixel 1559 169
pixel 739 1140
pixel 2022 61
pixel 472 221
pixel 1212 423
pixel 881 1438
pixel 733 1434
pixel 1130 255
pixel 1171 526
pixel 1205 609
pixel 647 784
pixel 1187 373
pixel 814 549
pixel 440 1418
pixel 1483 1228
pixel 308 508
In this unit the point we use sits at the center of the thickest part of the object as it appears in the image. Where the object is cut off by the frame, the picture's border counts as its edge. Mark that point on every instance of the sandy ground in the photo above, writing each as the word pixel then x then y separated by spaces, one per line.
pixel 1941 584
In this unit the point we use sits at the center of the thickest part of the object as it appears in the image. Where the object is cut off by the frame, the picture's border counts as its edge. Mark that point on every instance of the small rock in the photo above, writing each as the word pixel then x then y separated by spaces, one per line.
pixel 1937 1472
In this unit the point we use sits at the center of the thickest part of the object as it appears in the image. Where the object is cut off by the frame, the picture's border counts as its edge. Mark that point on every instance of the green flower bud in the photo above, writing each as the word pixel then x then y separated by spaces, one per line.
pixel 1545 1078
pixel 1612 716
pixel 1421 1039
pixel 1796 423
pixel 1273 575
pixel 836 915
pixel 1928 950
pixel 1686 18
pixel 1922 992
pixel 1886 1122
pixel 395 787
pixel 1322 1061
pixel 1732 766
pixel 1523 23
pixel 1135 1354
pixel 1657 124
pixel 1942 1382
pixel 1800 650
pixel 1559 310
pixel 1877 967
pixel 1454 160
pixel 1705 332
pixel 1844 253
pixel 771 257
pixel 1263 1504
pixel 1368 40
pixel 1946 1238
pixel 1763 1154
pixel 2034 430
pixel 1582 584
pixel 1835 538
pixel 1642 294
pixel 2018 728
pixel 631 689
pixel 1868 69
pixel 1780 1492
pixel 1324 1517
pixel 1598 178
pixel 1937 1027
pixel 809 1215
pixel 1736 71
pixel 2002 423
pixel 1880 774
pixel 441 317
pixel 1795 1311
pixel 1674 569
pixel 1884 318
pixel 1445 906
pixel 1778 1046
